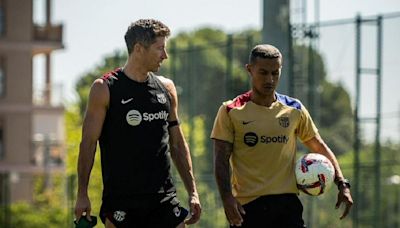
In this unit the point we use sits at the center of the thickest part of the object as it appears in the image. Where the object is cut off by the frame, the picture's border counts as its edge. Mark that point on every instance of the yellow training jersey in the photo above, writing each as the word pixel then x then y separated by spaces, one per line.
pixel 264 143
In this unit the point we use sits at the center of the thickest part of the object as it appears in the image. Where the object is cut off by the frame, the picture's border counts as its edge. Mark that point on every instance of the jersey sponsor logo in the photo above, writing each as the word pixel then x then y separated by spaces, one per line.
pixel 161 98
pixel 251 139
pixel 126 101
pixel 134 117
pixel 119 216
pixel 284 121
pixel 274 139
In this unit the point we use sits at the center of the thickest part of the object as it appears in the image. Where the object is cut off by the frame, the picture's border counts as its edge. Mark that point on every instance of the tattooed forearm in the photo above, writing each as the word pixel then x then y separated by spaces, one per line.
pixel 222 153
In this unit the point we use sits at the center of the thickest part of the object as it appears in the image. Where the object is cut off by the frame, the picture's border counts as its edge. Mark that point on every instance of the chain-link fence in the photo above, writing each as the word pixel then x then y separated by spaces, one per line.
pixel 358 54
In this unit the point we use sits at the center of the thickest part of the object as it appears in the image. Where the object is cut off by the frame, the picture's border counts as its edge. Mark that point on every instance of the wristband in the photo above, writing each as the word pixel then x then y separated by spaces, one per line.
pixel 344 183
pixel 173 123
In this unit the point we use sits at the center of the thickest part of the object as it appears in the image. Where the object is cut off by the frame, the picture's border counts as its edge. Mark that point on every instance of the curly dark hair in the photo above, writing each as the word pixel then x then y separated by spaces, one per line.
pixel 145 32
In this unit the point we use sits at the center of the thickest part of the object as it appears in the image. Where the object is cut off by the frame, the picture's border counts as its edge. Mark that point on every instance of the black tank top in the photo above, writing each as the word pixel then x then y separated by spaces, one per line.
pixel 134 138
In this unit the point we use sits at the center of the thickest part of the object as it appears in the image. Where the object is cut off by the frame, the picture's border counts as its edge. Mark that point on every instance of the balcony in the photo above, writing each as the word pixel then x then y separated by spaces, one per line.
pixel 48 33
pixel 47 38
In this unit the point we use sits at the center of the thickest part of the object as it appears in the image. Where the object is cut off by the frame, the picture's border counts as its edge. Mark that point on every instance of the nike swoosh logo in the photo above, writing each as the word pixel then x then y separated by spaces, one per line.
pixel 126 101
pixel 247 122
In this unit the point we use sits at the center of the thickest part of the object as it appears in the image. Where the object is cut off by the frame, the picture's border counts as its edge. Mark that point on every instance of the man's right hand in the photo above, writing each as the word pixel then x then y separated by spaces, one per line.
pixel 82 207
pixel 233 211
pixel 195 209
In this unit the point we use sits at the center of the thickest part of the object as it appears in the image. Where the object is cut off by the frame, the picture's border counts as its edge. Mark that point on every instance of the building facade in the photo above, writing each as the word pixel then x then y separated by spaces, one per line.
pixel 31 125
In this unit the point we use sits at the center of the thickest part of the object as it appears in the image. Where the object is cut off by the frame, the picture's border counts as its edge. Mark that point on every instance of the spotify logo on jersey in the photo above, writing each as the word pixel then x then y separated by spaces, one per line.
pixel 250 139
pixel 133 117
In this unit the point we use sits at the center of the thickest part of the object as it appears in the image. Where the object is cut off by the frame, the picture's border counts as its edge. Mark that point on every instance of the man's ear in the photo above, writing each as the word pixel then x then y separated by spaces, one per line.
pixel 138 47
pixel 248 68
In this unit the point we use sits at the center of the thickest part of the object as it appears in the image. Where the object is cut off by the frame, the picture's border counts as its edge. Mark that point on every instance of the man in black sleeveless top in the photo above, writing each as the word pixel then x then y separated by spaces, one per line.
pixel 133 114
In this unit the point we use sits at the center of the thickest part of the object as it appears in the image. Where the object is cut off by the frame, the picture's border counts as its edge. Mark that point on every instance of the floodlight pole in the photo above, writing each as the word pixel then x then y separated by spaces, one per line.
pixel 378 122
pixel 356 122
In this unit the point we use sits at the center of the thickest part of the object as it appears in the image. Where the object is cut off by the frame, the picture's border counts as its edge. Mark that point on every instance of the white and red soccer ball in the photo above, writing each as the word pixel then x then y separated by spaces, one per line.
pixel 314 174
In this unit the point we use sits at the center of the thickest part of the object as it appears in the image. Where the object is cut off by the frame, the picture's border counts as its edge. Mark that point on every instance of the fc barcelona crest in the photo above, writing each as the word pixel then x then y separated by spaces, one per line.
pixel 284 121
pixel 161 98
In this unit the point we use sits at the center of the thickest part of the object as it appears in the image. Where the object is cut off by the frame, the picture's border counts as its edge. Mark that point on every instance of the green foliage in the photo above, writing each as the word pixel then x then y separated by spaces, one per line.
pixel 336 97
pixel 336 120
pixel 31 216
pixel 47 208
pixel 73 130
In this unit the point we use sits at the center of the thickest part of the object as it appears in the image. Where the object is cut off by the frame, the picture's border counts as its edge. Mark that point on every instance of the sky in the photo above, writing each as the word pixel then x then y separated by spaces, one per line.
pixel 93 29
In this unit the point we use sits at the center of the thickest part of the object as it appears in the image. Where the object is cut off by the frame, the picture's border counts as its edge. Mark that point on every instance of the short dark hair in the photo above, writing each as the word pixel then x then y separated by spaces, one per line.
pixel 265 51
pixel 145 32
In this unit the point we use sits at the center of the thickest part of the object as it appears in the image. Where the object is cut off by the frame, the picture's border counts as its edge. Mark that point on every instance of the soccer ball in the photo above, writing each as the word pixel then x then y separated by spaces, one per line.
pixel 314 174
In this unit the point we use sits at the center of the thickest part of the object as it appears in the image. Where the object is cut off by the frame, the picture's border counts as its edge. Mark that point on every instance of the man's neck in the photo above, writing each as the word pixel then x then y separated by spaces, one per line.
pixel 135 72
pixel 263 100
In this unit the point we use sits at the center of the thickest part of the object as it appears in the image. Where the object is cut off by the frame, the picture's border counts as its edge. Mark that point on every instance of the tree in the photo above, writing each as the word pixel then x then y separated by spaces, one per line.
pixel 333 113
pixel 336 118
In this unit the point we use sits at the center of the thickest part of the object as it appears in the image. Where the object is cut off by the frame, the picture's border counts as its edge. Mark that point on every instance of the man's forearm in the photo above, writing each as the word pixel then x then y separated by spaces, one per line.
pixel 222 175
pixel 327 152
pixel 183 162
pixel 222 154
pixel 318 145
pixel 85 164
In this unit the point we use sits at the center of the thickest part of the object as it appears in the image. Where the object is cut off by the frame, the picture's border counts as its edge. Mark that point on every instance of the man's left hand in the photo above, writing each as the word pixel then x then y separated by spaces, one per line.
pixel 344 196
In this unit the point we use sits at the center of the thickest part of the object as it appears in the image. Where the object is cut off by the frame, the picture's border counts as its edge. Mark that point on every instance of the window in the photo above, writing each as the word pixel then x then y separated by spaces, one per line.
pixel 2 18
pixel 2 77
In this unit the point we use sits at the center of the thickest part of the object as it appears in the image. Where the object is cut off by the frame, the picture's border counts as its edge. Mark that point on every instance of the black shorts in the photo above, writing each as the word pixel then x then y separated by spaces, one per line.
pixel 283 210
pixel 161 210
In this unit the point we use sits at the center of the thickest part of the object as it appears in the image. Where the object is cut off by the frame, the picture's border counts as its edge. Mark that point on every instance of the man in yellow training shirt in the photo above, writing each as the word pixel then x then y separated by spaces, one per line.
pixel 255 138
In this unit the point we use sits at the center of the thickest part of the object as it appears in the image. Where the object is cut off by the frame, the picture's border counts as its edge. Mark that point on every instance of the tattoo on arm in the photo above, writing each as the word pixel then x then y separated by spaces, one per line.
pixel 222 153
